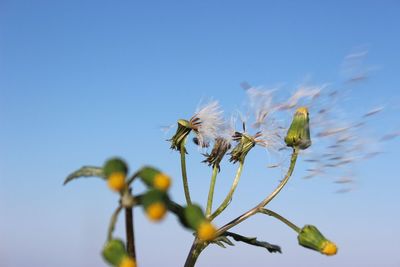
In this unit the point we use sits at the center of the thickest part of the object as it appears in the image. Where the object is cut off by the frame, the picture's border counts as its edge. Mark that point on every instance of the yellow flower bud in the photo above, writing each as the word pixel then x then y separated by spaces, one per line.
pixel 127 262
pixel 206 231
pixel 310 237
pixel 116 181
pixel 156 211
pixel 162 182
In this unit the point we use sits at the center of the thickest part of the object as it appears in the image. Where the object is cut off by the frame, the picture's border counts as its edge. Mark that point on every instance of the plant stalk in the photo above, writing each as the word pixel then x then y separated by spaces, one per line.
pixel 211 190
pixel 195 250
pixel 228 198
pixel 113 221
pixel 130 236
pixel 281 218
pixel 268 199
pixel 184 175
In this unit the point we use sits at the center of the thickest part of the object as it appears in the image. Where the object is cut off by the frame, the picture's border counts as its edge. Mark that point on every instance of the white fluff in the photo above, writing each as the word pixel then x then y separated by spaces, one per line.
pixel 211 122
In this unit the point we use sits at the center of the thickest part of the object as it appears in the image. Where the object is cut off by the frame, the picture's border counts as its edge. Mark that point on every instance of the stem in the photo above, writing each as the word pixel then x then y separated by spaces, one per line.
pixel 211 191
pixel 184 175
pixel 133 177
pixel 228 198
pixel 113 221
pixel 282 219
pixel 130 236
pixel 195 250
pixel 254 210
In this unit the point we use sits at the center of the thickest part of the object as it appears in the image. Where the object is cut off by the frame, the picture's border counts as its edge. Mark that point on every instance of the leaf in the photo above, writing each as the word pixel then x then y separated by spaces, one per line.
pixel 253 241
pixel 85 171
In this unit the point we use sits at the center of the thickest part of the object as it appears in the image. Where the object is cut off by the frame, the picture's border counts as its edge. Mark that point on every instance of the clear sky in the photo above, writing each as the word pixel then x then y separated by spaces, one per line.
pixel 81 81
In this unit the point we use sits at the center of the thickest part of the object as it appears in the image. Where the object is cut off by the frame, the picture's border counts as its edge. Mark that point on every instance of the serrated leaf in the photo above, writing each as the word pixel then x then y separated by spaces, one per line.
pixel 86 171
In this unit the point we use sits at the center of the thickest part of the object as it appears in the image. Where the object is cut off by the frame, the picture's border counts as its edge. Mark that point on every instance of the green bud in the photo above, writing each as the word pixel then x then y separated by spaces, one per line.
pixel 298 134
pixel 178 140
pixel 152 177
pixel 114 251
pixel 310 237
pixel 115 165
pixel 194 216
pixel 153 196
pixel 244 145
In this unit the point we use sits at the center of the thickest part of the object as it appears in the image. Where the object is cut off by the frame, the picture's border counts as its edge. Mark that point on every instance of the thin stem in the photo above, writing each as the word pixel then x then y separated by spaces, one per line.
pixel 211 190
pixel 113 221
pixel 184 175
pixel 263 203
pixel 130 236
pixel 281 218
pixel 195 250
pixel 133 177
pixel 228 198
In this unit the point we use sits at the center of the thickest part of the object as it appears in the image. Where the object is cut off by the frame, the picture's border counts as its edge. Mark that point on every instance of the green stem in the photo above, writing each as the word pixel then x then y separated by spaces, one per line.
pixel 184 174
pixel 268 199
pixel 228 198
pixel 281 218
pixel 211 190
pixel 113 221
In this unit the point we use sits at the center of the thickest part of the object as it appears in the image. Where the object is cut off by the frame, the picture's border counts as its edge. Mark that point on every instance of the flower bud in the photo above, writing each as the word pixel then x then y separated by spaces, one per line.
pixel 194 216
pixel 197 221
pixel 114 251
pixel 155 204
pixel 115 165
pixel 298 135
pixel 178 140
pixel 311 238
pixel 155 178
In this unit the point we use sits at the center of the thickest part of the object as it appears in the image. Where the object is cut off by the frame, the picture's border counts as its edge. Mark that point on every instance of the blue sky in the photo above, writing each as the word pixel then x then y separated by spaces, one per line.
pixel 81 81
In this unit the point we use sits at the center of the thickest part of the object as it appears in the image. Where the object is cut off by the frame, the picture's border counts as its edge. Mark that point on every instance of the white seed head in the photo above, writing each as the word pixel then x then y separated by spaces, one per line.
pixel 210 122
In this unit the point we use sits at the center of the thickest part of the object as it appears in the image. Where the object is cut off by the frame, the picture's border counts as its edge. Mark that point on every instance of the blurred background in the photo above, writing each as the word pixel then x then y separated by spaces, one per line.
pixel 81 81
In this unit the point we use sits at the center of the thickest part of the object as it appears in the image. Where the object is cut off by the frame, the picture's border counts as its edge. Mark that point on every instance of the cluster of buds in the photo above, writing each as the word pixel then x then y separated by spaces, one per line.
pixel 196 220
pixel 115 254
pixel 310 237
pixel 155 200
pixel 115 171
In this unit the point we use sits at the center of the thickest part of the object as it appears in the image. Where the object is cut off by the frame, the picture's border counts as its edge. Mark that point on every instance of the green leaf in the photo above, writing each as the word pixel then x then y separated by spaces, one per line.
pixel 86 171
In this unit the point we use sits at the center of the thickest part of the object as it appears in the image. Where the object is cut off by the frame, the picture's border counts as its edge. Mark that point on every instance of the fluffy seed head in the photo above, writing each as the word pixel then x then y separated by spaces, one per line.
pixel 207 122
